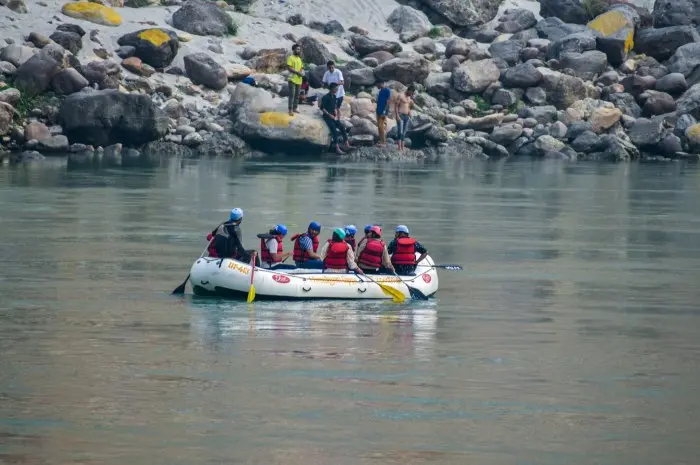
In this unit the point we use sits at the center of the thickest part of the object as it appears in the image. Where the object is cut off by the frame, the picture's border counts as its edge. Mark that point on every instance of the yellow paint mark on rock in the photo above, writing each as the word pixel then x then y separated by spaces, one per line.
pixel 693 133
pixel 155 36
pixel 276 119
pixel 613 23
pixel 93 12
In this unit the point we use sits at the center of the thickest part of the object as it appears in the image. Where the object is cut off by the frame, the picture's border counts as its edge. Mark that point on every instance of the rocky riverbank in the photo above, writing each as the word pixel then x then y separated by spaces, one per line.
pixel 126 82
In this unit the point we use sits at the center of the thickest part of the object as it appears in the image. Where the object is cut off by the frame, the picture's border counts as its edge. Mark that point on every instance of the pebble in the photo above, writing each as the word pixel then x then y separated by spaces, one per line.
pixel 184 130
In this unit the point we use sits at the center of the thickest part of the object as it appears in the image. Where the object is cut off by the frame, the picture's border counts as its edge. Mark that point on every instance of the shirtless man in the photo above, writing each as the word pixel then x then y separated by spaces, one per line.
pixel 404 103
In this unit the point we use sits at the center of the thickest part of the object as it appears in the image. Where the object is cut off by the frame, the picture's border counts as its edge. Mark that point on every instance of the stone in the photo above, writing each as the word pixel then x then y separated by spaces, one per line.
pixel 506 134
pixel 658 103
pixel 558 130
pixel 68 81
pixel 485 122
pixel 102 73
pixel 333 28
pixel 68 40
pixel 269 60
pixel 35 130
pixel 424 45
pixel 505 98
pixel 69 27
pixel 93 12
pixel 569 11
pixel 516 20
pixel 508 51
pixel 362 77
pixel 57 143
pixel 683 123
pixel 203 69
pixel 670 145
pixel 362 107
pixel 669 13
pixel 689 102
pixel 673 83
pixel 16 54
pixel 6 115
pixel 543 114
pixel 475 76
pixel 30 156
pixel 313 51
pixel 192 140
pixel 438 83
pixel 577 42
pixel 585 65
pixel 536 96
pixel 685 60
pixel 563 90
pixel 646 132
pixel 464 13
pixel 554 29
pixel 693 136
pixel 39 40
pixel 262 121
pixel 381 57
pixel 603 119
pixel 662 43
pixel 34 76
pixel 237 72
pixel 203 18
pixel 409 23
pixel 10 96
pixel 361 126
pixel 7 69
pixel 637 85
pixel 364 45
pixel 155 47
pixel 627 104
pixel 587 142
pixel 18 6
pixel 615 30
pixel 404 70
pixel 522 76
pixel 547 143
pixel 125 51
pixel 109 117
pixel 458 46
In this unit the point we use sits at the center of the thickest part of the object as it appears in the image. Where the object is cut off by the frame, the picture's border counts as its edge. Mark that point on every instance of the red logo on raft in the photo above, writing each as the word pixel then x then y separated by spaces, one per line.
pixel 427 278
pixel 280 279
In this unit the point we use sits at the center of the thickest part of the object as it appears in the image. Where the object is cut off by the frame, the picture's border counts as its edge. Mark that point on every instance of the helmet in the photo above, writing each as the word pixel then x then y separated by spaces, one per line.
pixel 377 230
pixel 282 229
pixel 315 225
pixel 402 229
pixel 368 227
pixel 339 232
pixel 236 214
pixel 350 230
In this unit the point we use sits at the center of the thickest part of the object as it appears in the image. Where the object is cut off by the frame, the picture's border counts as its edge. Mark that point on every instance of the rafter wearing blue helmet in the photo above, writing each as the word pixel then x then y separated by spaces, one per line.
pixel 228 238
pixel 306 247
pixel 403 251
pixel 350 231
pixel 272 252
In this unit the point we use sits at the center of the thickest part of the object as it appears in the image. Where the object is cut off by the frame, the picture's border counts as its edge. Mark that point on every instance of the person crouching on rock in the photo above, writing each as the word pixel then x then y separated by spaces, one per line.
pixel 329 107
pixel 337 255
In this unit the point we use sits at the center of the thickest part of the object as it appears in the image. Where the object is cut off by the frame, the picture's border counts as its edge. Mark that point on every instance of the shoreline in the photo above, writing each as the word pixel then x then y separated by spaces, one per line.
pixel 510 85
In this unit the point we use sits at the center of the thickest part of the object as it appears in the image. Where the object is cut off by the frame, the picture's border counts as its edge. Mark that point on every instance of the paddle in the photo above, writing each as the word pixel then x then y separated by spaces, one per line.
pixel 251 291
pixel 181 288
pixel 415 293
pixel 396 295
pixel 446 267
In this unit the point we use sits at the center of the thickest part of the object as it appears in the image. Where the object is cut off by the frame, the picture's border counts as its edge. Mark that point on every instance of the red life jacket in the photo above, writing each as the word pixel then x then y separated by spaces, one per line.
pixel 336 257
pixel 371 256
pixel 405 253
pixel 351 242
pixel 211 250
pixel 299 253
pixel 265 255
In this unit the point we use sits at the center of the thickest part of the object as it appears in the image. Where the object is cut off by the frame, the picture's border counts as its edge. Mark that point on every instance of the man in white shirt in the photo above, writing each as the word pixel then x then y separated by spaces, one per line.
pixel 333 75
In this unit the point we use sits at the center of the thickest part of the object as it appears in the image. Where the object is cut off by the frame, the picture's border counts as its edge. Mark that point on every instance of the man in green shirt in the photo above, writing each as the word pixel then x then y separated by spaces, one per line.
pixel 296 70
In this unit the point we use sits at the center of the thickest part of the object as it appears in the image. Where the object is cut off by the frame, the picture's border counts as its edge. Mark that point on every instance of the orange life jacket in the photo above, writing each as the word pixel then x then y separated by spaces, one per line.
pixel 405 253
pixel 336 257
pixel 371 256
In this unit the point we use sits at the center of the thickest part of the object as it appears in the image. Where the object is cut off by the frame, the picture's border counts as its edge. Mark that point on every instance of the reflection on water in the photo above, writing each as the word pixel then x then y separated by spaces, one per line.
pixel 570 336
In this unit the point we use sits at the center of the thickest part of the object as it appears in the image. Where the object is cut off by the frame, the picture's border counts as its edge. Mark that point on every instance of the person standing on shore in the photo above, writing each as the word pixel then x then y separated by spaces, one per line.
pixel 383 107
pixel 334 75
pixel 329 107
pixel 404 102
pixel 296 70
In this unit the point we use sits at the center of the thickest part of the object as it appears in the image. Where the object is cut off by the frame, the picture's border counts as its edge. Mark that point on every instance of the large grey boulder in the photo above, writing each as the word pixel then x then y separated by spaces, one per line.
pixel 569 11
pixel 314 51
pixel 626 103
pixel 202 69
pixel 563 90
pixel 17 54
pixel 409 23
pixel 155 47
pixel 646 132
pixel 662 43
pixel 508 51
pixel 465 12
pixel 685 59
pixel 689 103
pixel 676 13
pixel 362 77
pixel 68 81
pixel 203 18
pixel 672 83
pixel 658 103
pixel 585 65
pixel 108 117
pixel 516 20
pixel 438 83
pixel 262 121
pixel 522 76
pixel 555 29
pixel 364 45
pixel 69 40
pixel 404 70
pixel 475 76
pixel 34 75
pixel 577 42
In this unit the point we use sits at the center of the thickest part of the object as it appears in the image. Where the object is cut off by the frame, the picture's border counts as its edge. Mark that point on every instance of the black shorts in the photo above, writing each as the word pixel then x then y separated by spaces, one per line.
pixel 339 102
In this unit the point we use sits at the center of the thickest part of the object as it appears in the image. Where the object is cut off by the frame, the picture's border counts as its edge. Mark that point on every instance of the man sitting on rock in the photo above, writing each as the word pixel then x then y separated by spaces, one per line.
pixel 329 107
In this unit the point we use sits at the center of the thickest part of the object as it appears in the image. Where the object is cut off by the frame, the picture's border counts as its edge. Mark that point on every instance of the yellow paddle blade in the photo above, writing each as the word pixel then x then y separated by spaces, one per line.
pixel 396 295
pixel 251 294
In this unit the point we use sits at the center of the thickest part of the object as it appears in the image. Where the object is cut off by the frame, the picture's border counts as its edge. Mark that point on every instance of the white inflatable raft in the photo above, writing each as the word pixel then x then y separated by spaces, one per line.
pixel 231 278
